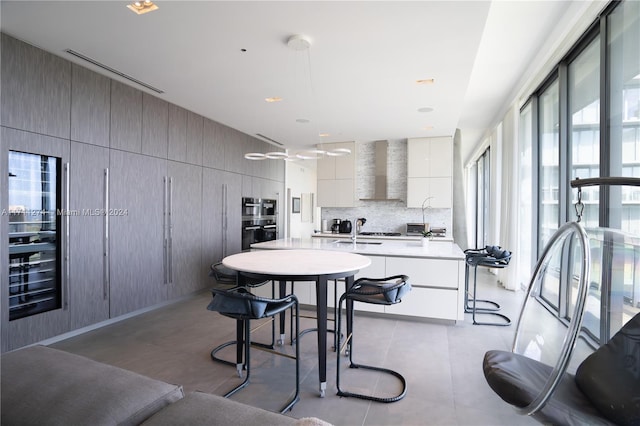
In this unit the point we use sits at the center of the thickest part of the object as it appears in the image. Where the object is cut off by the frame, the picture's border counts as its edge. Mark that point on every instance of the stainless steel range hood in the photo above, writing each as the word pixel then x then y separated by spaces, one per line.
pixel 380 186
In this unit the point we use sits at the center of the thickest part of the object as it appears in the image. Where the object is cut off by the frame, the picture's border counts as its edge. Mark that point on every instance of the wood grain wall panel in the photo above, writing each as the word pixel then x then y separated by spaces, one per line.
pixel 186 234
pixel 213 150
pixel 136 240
pixel 234 151
pixel 155 126
pixel 36 89
pixel 177 133
pixel 88 302
pixel 126 117
pixel 195 125
pixel 90 106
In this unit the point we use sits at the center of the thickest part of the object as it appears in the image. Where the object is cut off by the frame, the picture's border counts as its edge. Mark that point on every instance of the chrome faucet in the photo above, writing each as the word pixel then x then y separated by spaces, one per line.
pixel 353 230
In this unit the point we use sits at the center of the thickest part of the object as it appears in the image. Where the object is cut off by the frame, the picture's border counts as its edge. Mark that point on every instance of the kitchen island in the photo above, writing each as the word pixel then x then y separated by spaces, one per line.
pixel 436 273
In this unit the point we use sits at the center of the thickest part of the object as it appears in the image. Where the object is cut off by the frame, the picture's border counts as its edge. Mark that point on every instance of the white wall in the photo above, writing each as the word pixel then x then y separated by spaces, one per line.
pixel 300 178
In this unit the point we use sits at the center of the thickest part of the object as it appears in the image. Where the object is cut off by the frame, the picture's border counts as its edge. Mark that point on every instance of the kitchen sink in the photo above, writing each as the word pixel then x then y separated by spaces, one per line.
pixel 377 243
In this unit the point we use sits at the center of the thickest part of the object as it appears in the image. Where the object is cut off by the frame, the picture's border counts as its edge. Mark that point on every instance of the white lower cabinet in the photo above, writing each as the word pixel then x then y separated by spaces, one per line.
pixel 437 287
pixel 427 302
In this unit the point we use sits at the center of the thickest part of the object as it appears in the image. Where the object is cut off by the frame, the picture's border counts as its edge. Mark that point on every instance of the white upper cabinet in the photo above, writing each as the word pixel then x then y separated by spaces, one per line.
pixel 429 172
pixel 336 177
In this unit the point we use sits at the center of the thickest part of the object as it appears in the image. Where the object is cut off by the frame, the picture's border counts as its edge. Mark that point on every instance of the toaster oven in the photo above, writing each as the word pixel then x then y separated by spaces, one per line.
pixel 416 228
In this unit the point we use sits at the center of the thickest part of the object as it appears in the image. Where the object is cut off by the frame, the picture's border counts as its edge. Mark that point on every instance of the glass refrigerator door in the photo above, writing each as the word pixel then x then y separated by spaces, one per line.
pixel 34 238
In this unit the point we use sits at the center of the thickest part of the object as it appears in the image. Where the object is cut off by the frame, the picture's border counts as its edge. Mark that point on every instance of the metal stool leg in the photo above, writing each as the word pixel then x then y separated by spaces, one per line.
pixel 349 341
pixel 469 309
pixel 475 286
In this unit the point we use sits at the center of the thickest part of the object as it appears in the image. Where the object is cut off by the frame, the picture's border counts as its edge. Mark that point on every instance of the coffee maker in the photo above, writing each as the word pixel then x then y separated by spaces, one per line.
pixel 335 226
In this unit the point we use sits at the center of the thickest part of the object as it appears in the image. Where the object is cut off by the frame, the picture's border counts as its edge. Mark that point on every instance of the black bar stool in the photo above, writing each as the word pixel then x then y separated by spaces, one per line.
pixel 238 303
pixel 229 279
pixel 379 291
pixel 488 257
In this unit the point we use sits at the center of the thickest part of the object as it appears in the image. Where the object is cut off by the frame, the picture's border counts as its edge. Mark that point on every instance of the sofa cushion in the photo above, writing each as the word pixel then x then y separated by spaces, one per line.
pixel 45 385
pixel 199 408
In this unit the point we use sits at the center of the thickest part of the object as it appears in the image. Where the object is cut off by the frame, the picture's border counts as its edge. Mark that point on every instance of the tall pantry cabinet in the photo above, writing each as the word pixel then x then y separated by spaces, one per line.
pixel 149 199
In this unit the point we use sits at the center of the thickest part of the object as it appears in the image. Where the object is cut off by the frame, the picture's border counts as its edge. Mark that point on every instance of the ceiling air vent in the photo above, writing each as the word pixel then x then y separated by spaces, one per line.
pixel 260 135
pixel 114 71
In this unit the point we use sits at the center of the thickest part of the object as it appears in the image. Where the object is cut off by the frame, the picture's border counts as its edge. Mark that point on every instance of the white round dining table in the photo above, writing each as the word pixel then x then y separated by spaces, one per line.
pixel 301 265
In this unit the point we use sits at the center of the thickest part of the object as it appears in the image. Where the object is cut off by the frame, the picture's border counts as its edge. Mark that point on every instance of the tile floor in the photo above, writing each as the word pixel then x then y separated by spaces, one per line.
pixel 442 363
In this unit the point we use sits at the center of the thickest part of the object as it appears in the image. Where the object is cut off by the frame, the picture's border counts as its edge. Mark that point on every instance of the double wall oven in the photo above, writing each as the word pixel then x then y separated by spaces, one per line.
pixel 259 221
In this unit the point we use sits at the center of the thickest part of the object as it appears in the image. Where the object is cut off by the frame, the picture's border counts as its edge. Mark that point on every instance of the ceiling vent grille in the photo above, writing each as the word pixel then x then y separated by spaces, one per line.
pixel 260 135
pixel 114 71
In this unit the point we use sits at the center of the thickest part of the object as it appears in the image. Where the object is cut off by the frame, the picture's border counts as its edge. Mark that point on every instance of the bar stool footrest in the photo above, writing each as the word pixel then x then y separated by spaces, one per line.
pixel 499 324
pixel 372 397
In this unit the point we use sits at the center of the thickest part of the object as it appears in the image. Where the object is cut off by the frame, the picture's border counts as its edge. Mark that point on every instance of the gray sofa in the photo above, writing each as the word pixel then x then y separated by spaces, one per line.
pixel 46 386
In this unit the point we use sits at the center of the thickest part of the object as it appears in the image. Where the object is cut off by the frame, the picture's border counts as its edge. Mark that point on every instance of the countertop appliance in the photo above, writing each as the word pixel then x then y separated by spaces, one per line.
pixel 345 227
pixel 380 234
pixel 416 228
pixel 335 227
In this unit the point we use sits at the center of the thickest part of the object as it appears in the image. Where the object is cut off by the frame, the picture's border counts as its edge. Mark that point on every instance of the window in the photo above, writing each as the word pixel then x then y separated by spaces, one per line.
pixel 549 163
pixel 585 122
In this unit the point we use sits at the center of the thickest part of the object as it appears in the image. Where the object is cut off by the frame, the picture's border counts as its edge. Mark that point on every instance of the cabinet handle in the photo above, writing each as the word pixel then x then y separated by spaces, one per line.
pixel 164 230
pixel 105 261
pixel 170 221
pixel 224 220
pixel 67 252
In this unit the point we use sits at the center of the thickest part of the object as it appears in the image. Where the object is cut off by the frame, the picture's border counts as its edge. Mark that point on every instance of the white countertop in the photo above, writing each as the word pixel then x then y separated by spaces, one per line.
pixel 296 262
pixel 435 249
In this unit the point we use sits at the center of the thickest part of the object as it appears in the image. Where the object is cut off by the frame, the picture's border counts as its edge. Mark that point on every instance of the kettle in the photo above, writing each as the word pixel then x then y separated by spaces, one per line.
pixel 345 227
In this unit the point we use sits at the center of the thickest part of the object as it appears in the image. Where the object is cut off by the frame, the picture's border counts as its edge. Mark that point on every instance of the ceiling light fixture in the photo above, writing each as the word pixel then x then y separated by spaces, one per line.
pixel 338 152
pixel 273 99
pixel 255 156
pixel 311 154
pixel 323 135
pixel 277 155
pixel 426 81
pixel 140 7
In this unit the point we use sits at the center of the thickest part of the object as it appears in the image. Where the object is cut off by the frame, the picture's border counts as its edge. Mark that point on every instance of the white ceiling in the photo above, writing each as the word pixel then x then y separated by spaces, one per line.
pixel 356 82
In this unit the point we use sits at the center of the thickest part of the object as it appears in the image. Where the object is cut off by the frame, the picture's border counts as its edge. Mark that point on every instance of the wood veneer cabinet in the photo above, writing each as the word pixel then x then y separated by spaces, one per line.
pixel 142 157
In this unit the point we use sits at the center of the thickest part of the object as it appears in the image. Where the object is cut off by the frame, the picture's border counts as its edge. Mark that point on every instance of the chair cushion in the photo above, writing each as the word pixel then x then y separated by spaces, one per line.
pixel 518 380
pixel 42 385
pixel 610 377
pixel 237 307
pixel 200 409
pixel 381 292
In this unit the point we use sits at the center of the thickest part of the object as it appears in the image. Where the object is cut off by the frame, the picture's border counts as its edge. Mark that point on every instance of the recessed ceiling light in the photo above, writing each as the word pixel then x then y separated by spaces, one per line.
pixel 141 7
pixel 273 99
pixel 426 81
pixel 324 135
pixel 425 109
pixel 302 120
